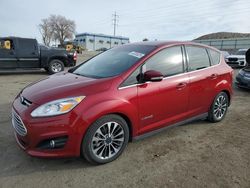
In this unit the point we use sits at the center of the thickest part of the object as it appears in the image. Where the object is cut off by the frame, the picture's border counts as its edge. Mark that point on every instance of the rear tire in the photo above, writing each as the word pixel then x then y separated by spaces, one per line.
pixel 219 108
pixel 55 66
pixel 105 139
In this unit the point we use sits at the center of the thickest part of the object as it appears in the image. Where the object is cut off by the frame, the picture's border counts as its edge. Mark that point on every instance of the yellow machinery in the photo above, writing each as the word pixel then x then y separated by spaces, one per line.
pixel 7 45
pixel 71 46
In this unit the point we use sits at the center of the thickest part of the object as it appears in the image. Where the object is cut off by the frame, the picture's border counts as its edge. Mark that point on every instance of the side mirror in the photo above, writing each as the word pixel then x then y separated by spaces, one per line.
pixel 153 76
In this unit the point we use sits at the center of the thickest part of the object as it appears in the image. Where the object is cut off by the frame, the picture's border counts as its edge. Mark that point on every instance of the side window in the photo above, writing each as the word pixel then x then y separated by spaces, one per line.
pixel 198 58
pixel 132 79
pixel 168 61
pixel 215 57
pixel 27 46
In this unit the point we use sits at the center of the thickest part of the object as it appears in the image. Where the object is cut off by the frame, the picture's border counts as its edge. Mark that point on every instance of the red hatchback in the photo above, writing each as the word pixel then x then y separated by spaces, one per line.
pixel 123 94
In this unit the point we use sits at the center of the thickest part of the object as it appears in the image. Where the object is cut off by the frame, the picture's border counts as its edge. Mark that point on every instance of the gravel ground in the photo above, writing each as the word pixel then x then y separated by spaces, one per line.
pixel 199 154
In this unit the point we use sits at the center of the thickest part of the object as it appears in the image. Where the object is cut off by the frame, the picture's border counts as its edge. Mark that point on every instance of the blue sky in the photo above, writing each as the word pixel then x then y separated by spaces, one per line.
pixel 152 19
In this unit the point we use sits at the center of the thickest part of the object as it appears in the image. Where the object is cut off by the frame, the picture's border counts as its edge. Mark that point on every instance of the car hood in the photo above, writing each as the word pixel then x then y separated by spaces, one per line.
pixel 247 68
pixel 236 56
pixel 63 85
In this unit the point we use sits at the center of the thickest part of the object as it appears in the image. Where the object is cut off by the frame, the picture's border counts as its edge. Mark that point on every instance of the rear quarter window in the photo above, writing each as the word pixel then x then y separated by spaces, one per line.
pixel 215 57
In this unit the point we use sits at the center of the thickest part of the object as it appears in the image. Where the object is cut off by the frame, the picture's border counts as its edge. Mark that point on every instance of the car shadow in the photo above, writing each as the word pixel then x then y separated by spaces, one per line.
pixel 28 165
pixel 14 161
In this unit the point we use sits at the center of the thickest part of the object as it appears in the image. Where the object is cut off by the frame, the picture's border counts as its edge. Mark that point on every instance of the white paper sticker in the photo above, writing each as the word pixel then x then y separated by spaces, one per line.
pixel 136 54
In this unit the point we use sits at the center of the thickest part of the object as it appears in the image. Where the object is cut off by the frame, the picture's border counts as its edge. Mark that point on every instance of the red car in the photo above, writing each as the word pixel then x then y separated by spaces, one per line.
pixel 123 94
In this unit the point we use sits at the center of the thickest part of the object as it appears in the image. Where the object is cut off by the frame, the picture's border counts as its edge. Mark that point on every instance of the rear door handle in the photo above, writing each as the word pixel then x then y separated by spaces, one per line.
pixel 213 76
pixel 181 85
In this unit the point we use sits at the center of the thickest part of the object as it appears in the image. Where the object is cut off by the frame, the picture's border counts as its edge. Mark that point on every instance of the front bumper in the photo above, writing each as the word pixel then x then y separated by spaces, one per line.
pixel 41 130
pixel 242 81
pixel 239 63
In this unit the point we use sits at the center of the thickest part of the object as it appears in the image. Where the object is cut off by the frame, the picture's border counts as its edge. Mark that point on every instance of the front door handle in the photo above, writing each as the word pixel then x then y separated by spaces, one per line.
pixel 181 85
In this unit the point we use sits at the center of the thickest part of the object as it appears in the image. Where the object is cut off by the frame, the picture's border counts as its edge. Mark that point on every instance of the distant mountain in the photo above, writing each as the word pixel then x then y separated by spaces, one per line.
pixel 223 35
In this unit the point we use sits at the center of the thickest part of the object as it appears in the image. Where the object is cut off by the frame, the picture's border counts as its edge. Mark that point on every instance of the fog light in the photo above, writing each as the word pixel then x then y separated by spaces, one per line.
pixel 53 143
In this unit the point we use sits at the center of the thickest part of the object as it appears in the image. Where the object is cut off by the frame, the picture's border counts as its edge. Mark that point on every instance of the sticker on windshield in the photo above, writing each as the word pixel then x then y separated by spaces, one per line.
pixel 136 54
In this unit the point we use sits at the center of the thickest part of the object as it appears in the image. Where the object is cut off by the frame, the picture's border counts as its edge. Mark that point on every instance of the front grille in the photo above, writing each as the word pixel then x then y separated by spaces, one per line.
pixel 232 59
pixel 233 62
pixel 18 124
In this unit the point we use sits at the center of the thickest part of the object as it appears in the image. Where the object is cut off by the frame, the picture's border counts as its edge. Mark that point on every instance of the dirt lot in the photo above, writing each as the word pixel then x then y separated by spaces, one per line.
pixel 199 154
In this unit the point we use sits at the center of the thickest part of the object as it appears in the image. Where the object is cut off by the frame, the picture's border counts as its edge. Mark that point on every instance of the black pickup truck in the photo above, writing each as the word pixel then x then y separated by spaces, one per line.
pixel 26 53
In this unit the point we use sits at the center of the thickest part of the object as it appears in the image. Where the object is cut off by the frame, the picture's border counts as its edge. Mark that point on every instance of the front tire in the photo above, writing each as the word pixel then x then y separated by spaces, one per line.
pixel 55 66
pixel 219 107
pixel 105 140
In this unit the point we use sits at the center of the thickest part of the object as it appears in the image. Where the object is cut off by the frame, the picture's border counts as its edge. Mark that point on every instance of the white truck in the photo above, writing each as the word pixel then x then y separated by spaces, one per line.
pixel 237 60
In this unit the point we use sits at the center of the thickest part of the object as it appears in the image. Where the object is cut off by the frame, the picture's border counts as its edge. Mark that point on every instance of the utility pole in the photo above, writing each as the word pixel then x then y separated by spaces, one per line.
pixel 115 22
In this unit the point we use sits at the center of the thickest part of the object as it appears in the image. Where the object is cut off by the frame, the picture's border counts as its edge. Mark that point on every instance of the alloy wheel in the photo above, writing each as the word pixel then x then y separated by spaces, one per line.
pixel 220 107
pixel 108 140
pixel 56 67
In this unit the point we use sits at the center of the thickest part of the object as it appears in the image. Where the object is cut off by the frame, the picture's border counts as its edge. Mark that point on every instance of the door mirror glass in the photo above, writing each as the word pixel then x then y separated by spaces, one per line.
pixel 153 76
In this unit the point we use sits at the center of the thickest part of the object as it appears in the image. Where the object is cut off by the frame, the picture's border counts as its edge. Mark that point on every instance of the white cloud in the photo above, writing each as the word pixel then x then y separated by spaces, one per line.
pixel 163 20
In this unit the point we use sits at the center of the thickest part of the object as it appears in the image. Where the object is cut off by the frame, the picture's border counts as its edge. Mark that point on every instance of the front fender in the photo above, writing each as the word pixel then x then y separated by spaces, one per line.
pixel 118 106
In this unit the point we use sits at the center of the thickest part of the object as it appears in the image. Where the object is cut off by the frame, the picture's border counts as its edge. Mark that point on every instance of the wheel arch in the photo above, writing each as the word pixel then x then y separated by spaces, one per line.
pixel 61 58
pixel 125 110
pixel 123 116
pixel 228 95
pixel 128 121
pixel 224 86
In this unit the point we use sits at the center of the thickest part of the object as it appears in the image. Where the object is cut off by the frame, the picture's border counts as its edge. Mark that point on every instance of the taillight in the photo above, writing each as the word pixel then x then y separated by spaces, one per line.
pixel 75 56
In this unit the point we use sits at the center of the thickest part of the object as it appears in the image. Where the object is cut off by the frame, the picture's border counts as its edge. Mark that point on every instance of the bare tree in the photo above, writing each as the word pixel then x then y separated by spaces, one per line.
pixel 62 28
pixel 46 31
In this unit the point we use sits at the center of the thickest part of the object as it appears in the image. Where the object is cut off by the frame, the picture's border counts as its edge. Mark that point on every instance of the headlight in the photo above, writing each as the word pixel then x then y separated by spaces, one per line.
pixel 241 72
pixel 57 107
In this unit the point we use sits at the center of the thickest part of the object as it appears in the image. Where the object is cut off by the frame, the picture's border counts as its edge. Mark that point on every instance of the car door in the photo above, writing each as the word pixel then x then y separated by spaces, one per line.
pixel 28 56
pixel 8 57
pixel 200 77
pixel 165 102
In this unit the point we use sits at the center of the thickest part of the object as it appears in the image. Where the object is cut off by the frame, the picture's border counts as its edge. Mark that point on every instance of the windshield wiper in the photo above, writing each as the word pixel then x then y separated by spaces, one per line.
pixel 76 74
pixel 88 76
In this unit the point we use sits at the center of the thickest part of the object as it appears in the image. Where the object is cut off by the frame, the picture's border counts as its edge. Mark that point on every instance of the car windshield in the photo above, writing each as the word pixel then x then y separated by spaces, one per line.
pixel 113 62
pixel 241 52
